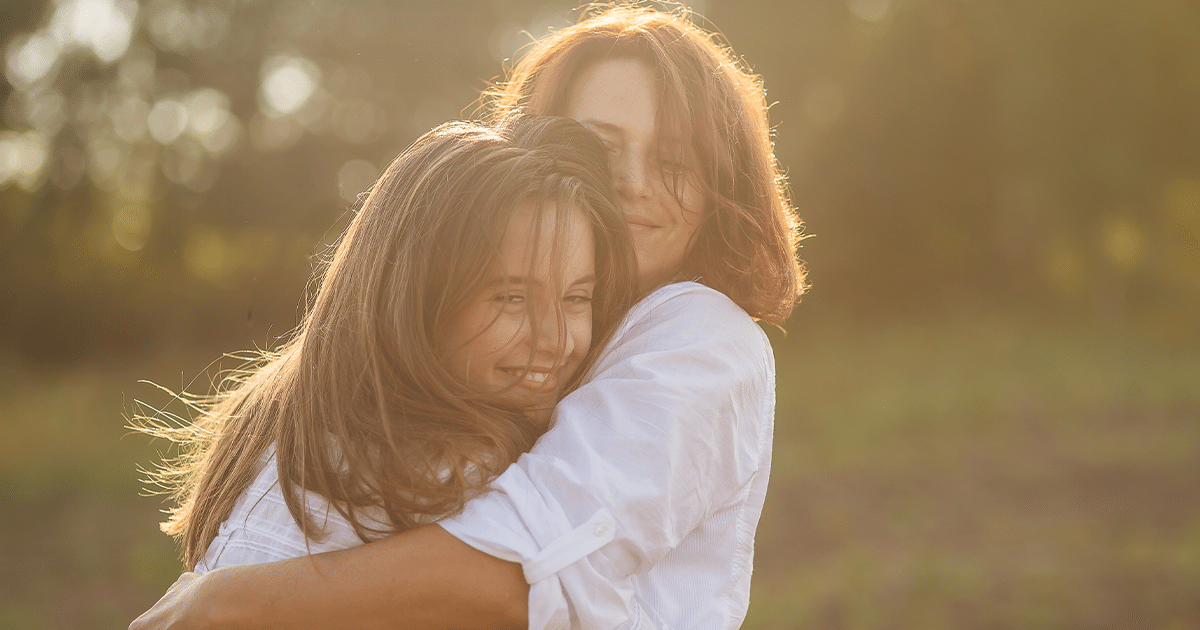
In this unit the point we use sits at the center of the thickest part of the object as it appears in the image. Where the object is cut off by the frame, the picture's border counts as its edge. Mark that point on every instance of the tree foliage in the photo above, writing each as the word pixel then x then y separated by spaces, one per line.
pixel 168 168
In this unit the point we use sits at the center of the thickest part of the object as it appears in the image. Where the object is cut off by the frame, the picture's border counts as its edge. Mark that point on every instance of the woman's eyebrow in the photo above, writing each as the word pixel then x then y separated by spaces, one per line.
pixel 511 280
pixel 601 127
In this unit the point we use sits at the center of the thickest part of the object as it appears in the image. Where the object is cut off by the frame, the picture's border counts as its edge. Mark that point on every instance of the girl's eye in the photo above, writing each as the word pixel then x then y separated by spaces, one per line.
pixel 577 303
pixel 509 298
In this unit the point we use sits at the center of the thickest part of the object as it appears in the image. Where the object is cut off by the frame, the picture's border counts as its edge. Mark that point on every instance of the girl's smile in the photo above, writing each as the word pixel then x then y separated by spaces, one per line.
pixel 528 330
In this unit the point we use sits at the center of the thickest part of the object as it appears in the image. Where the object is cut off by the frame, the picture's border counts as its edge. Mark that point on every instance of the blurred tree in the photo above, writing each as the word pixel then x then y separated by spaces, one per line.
pixel 169 167
pixel 1012 154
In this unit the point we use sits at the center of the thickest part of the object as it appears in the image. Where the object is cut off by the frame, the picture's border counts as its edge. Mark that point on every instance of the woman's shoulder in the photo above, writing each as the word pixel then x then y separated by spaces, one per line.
pixel 691 322
pixel 691 308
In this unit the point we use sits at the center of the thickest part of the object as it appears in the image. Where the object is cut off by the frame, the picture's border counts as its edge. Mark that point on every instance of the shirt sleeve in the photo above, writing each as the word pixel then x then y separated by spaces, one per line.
pixel 664 432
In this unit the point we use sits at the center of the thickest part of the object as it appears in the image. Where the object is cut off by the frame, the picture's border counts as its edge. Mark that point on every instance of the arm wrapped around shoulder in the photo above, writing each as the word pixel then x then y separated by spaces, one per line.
pixel 670 428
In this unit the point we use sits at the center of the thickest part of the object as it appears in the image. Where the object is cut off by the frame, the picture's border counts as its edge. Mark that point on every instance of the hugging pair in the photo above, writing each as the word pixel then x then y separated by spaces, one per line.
pixel 486 282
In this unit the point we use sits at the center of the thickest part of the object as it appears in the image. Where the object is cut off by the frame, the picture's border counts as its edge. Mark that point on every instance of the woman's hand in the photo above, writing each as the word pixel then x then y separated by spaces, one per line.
pixel 179 609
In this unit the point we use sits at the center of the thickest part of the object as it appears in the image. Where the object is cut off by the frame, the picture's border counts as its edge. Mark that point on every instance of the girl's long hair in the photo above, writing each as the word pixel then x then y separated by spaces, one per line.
pixel 746 243
pixel 359 402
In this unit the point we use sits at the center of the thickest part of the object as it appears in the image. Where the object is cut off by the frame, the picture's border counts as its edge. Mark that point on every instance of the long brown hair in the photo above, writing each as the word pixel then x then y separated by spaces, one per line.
pixel 746 244
pixel 359 402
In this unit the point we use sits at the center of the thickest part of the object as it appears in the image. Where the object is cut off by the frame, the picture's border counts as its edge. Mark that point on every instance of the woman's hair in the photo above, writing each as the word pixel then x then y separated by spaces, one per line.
pixel 360 403
pixel 746 243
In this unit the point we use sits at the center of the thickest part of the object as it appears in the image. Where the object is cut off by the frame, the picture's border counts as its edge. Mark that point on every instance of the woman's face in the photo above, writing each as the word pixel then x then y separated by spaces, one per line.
pixel 526 333
pixel 616 99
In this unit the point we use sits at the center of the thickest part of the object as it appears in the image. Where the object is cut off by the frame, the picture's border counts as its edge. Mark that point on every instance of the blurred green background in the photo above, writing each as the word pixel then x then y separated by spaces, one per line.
pixel 988 404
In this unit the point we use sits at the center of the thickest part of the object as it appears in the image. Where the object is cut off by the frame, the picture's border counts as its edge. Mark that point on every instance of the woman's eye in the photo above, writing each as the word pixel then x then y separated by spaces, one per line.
pixel 509 298
pixel 672 166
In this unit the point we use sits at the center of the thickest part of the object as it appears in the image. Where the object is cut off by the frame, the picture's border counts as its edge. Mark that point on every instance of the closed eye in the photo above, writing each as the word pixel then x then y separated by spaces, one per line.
pixel 508 297
pixel 672 165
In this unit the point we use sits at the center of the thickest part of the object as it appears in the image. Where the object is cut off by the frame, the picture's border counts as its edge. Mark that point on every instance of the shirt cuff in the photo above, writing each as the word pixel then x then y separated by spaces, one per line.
pixel 499 524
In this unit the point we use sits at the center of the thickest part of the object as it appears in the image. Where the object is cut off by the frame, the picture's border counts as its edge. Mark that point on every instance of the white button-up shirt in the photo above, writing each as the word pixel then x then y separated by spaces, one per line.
pixel 260 528
pixel 638 508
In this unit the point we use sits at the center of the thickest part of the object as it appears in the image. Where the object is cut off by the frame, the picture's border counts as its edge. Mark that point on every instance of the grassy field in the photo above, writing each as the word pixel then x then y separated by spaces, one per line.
pixel 969 473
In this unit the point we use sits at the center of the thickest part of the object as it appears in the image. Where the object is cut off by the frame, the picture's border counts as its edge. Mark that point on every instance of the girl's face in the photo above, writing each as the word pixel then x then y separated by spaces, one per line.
pixel 526 333
pixel 616 99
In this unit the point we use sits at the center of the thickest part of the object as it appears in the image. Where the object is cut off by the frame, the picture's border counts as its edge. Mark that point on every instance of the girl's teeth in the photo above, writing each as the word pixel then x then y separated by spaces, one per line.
pixel 537 377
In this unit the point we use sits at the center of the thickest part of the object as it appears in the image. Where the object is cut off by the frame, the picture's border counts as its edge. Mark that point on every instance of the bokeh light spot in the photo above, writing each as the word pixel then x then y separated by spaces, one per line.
pixel 29 59
pixel 168 119
pixel 129 118
pixel 211 123
pixel 23 158
pixel 1123 242
pixel 869 10
pixel 169 25
pixel 288 83
pixel 104 158
pixel 136 69
pixel 354 177
pixel 45 110
pixel 104 26
pixel 131 224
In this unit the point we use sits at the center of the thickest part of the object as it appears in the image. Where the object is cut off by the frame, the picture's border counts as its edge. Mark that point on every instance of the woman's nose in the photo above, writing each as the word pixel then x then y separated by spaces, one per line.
pixel 630 175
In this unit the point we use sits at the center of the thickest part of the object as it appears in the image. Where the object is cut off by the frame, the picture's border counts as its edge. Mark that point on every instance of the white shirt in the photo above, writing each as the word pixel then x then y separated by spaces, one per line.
pixel 638 508
pixel 261 529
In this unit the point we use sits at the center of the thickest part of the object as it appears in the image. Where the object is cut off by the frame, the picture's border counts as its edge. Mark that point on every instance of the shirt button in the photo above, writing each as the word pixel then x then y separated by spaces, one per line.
pixel 601 530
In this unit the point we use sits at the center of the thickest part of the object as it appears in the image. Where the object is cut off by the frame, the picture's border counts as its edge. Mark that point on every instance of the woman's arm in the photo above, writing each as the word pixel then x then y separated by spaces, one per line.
pixel 637 509
pixel 675 421
pixel 423 578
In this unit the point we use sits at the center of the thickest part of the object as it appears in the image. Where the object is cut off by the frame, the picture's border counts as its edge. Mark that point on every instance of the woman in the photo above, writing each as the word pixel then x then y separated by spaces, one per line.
pixel 638 507
pixel 414 380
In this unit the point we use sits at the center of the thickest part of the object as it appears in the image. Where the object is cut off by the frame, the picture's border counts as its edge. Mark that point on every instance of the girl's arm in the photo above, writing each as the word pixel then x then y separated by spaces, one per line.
pixel 423 578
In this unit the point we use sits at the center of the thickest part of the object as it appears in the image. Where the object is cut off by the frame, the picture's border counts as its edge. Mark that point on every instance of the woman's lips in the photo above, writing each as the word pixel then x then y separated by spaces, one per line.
pixel 637 221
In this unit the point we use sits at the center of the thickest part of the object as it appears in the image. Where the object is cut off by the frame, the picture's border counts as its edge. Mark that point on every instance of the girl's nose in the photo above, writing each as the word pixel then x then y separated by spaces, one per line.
pixel 547 332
